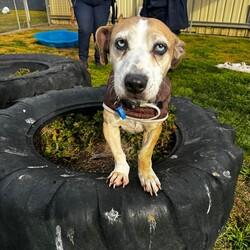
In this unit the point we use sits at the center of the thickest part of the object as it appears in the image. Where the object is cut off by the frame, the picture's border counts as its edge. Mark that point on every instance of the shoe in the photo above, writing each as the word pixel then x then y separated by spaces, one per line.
pixel 98 64
pixel 84 64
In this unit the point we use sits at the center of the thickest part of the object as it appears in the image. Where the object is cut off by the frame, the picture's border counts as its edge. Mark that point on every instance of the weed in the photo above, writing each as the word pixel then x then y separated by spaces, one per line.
pixel 63 139
pixel 68 138
pixel 23 71
pixel 234 237
pixel 245 171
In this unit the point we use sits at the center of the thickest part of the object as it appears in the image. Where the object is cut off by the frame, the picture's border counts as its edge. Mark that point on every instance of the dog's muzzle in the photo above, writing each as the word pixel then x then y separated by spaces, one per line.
pixel 135 83
pixel 157 111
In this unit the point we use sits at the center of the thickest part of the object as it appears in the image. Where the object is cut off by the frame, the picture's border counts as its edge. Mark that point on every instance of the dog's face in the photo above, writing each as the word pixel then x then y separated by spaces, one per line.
pixel 142 50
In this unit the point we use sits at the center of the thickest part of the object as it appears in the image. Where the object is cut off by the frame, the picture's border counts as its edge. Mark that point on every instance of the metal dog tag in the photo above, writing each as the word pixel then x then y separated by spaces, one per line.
pixel 121 112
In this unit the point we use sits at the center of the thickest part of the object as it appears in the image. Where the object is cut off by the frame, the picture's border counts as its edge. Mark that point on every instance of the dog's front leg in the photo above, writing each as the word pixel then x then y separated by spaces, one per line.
pixel 147 176
pixel 111 130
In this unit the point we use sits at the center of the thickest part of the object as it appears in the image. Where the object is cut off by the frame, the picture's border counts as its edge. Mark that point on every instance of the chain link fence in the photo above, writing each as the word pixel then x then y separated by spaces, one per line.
pixel 21 14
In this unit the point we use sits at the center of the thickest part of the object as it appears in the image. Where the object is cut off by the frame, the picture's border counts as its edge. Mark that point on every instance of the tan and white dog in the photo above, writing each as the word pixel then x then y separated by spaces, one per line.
pixel 142 50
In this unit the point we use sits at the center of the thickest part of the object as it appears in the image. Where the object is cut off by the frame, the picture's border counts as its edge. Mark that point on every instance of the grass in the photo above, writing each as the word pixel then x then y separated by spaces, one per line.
pixel 9 22
pixel 225 91
pixel 76 142
pixel 23 71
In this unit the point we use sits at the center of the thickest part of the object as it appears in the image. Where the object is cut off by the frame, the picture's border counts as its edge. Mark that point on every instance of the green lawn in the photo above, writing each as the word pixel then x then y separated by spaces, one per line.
pixel 227 92
pixel 8 22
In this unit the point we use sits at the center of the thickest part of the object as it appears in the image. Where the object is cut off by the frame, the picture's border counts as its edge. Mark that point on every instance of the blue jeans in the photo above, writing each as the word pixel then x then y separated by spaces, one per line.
pixel 89 18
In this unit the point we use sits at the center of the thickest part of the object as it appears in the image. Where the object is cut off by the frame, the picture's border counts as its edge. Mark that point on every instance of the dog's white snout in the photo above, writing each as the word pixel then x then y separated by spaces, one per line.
pixel 135 83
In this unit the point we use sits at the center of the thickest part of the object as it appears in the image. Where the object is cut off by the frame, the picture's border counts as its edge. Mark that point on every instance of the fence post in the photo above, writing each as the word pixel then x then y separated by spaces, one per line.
pixel 191 17
pixel 48 10
pixel 27 14
pixel 17 17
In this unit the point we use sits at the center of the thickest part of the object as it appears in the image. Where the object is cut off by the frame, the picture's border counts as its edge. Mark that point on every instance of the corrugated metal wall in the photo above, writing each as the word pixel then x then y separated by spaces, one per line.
pixel 233 11
pixel 219 17
pixel 128 8
pixel 59 11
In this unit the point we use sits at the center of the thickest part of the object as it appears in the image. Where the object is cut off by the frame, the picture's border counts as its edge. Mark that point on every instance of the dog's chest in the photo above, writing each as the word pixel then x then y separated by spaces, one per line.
pixel 133 127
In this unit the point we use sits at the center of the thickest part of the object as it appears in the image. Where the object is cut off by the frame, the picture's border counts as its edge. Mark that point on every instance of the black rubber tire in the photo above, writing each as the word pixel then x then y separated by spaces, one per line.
pixel 54 73
pixel 45 207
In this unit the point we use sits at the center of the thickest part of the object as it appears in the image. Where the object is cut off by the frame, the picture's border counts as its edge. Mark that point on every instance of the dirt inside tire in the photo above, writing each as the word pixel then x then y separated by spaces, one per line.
pixel 76 142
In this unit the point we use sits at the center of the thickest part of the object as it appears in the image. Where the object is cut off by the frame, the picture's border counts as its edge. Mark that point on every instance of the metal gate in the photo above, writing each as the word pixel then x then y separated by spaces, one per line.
pixel 22 14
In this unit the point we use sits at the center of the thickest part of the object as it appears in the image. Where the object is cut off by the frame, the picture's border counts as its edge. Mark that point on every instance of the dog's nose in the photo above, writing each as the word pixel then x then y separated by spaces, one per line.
pixel 135 83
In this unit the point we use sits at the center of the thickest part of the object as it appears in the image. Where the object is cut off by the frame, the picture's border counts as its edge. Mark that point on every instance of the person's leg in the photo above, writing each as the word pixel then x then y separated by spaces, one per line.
pixel 158 13
pixel 101 15
pixel 84 17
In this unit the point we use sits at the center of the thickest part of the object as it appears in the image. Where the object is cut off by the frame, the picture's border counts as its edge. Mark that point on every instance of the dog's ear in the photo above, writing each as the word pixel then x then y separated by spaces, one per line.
pixel 120 18
pixel 102 42
pixel 179 50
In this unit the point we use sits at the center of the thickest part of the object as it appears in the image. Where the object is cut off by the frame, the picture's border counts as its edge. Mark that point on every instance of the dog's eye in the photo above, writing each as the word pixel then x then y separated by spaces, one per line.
pixel 160 48
pixel 121 44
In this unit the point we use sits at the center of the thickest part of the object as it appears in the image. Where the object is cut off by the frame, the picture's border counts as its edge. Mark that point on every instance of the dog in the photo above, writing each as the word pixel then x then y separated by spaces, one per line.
pixel 141 50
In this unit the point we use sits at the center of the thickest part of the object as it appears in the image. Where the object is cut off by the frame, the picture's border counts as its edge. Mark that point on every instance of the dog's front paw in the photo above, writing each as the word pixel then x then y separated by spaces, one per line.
pixel 116 179
pixel 150 182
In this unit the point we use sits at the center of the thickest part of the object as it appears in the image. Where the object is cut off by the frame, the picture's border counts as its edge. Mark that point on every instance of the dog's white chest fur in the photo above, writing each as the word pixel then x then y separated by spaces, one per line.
pixel 132 127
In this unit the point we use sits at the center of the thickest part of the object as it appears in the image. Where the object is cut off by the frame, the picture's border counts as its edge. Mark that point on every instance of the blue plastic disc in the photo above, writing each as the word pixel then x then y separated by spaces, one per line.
pixel 58 38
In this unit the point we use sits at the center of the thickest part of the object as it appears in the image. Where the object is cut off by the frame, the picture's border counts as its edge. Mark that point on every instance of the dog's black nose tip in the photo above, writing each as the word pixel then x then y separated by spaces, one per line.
pixel 135 83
